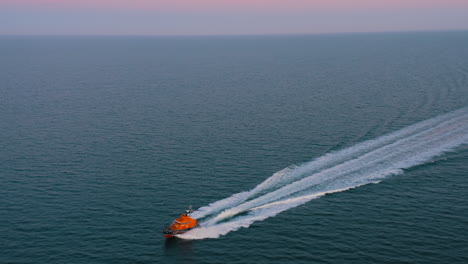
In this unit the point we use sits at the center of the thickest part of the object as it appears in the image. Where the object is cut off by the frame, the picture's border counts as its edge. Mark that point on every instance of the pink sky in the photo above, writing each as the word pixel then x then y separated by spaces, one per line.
pixel 213 17
pixel 255 5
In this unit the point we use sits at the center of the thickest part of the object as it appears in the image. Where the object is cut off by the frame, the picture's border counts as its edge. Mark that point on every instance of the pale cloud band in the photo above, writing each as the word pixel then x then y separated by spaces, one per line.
pixel 245 5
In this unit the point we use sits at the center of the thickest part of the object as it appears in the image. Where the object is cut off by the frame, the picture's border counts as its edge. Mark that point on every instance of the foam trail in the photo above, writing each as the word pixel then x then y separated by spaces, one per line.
pixel 326 161
pixel 364 163
pixel 260 213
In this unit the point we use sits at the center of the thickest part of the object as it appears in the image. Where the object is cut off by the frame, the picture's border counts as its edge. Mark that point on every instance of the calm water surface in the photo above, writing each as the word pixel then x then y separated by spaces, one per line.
pixel 104 140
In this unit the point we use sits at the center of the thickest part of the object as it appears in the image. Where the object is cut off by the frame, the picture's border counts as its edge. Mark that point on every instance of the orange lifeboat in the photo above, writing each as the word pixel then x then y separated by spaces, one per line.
pixel 181 225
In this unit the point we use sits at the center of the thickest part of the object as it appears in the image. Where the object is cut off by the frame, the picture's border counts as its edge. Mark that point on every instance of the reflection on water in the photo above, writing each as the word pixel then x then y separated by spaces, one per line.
pixel 179 247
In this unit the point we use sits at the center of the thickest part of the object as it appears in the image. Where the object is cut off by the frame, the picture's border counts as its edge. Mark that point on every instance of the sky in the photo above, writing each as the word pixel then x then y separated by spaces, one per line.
pixel 228 17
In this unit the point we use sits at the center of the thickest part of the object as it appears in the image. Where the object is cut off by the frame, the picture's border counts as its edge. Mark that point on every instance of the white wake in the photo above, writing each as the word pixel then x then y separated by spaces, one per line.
pixel 363 163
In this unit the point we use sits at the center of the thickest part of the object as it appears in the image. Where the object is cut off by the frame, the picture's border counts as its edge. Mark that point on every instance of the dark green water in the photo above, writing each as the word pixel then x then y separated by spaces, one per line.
pixel 104 140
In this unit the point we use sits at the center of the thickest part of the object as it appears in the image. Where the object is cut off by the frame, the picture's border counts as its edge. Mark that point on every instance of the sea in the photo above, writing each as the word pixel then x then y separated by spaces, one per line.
pixel 328 148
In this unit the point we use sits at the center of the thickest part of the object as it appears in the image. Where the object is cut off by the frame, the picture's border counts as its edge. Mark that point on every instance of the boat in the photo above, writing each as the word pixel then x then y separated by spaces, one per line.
pixel 181 225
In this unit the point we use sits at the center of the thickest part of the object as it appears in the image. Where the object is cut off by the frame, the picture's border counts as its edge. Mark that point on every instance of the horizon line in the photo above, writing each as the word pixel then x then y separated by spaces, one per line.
pixel 238 35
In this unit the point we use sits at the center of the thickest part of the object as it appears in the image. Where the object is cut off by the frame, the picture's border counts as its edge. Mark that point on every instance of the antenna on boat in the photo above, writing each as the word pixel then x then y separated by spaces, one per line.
pixel 189 210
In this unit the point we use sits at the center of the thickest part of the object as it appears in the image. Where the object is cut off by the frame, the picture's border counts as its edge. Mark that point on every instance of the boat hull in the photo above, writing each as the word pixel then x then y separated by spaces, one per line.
pixel 168 233
pixel 181 225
